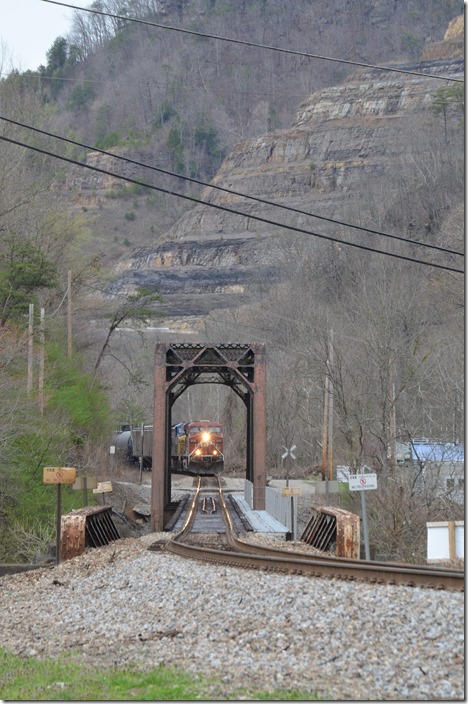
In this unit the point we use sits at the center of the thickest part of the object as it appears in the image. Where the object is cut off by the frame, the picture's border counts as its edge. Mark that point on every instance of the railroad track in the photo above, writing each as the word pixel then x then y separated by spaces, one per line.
pixel 238 553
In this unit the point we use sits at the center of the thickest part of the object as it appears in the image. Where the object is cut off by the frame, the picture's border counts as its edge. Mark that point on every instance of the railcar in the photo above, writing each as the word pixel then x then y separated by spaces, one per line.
pixel 196 447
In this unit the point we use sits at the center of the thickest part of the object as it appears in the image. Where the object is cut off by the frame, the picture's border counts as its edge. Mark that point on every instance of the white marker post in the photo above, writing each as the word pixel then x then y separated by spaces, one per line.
pixel 362 483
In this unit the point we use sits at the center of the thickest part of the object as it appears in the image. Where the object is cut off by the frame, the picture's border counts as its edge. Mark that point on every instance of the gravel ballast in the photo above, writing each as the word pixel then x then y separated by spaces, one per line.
pixel 123 604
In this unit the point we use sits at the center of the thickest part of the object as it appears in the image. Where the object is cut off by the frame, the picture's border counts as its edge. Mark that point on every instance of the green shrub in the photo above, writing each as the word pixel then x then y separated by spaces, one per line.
pixel 81 97
pixel 108 141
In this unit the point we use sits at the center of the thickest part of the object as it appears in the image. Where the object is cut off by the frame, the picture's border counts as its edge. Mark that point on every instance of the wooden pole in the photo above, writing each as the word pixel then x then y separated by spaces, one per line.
pixel 330 410
pixel 30 347
pixel 59 522
pixel 85 491
pixel 69 315
pixel 41 363
pixel 325 429
pixel 392 424
pixel 141 453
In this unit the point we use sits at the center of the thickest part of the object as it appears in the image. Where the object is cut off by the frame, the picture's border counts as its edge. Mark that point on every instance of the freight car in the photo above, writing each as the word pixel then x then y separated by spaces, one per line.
pixel 122 442
pixel 196 447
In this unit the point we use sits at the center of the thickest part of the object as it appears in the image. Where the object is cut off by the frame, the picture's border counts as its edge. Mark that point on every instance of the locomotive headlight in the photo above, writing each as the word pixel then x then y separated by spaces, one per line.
pixel 205 437
pixel 198 452
pixel 215 452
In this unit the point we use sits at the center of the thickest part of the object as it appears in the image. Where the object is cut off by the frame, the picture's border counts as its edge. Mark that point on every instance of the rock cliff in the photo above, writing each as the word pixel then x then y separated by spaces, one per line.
pixel 343 139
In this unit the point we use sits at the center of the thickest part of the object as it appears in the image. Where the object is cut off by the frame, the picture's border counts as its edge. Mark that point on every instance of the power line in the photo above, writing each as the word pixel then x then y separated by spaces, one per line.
pixel 233 192
pixel 229 210
pixel 252 44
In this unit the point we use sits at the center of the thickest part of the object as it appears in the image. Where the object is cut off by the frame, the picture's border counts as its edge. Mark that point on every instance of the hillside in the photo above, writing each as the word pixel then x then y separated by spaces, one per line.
pixel 373 334
pixel 377 149
pixel 184 103
pixel 347 144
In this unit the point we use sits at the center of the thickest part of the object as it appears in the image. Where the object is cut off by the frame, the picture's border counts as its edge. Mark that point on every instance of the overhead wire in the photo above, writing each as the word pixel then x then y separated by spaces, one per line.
pixel 231 191
pixel 252 44
pixel 257 199
pixel 227 209
pixel 357 227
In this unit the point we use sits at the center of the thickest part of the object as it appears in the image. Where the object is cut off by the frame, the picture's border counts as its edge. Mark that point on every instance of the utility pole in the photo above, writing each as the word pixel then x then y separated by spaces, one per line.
pixel 30 347
pixel 141 453
pixel 330 410
pixel 325 429
pixel 392 424
pixel 41 363
pixel 327 445
pixel 69 314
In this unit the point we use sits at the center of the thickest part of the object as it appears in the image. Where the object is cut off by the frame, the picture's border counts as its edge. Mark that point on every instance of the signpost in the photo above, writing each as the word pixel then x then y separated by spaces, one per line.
pixel 59 476
pixel 289 456
pixel 362 483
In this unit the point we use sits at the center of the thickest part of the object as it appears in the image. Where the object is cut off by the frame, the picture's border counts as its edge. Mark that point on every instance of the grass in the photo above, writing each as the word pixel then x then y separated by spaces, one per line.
pixel 27 679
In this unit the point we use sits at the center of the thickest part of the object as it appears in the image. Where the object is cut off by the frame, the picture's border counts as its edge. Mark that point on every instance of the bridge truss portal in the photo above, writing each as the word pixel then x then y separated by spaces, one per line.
pixel 242 367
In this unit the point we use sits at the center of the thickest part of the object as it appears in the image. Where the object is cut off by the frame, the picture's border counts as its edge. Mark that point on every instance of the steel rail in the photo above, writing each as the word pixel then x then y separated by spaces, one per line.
pixel 256 548
pixel 191 514
pixel 320 568
pixel 254 556
pixel 455 576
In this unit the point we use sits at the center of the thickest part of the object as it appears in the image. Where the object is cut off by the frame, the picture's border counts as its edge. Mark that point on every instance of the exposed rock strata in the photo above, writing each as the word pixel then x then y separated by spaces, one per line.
pixel 343 138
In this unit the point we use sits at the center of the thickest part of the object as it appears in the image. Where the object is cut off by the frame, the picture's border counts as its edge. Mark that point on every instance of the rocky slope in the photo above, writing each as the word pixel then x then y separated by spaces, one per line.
pixel 344 139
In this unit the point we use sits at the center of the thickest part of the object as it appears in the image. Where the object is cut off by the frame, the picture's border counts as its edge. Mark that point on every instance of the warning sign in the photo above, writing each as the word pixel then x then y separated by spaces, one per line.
pixel 59 475
pixel 362 482
pixel 290 491
pixel 103 487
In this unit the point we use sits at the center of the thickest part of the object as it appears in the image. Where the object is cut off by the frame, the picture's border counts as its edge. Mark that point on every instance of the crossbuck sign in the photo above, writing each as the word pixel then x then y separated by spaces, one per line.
pixel 289 452
pixel 362 482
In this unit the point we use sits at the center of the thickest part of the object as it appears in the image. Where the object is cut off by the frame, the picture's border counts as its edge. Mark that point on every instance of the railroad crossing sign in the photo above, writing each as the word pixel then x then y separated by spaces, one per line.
pixel 362 482
pixel 289 453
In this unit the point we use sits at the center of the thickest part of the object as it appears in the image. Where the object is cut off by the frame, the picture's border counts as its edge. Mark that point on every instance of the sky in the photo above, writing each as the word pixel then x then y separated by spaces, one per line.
pixel 28 28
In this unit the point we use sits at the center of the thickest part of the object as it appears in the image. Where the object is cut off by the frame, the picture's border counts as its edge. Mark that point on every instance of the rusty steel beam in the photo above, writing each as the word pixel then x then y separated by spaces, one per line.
pixel 159 439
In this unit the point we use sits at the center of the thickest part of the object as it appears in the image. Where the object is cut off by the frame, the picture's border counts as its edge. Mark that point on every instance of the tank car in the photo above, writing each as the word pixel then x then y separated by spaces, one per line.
pixel 122 441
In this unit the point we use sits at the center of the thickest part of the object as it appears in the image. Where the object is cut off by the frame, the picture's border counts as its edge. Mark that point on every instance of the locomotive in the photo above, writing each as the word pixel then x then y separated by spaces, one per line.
pixel 196 447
